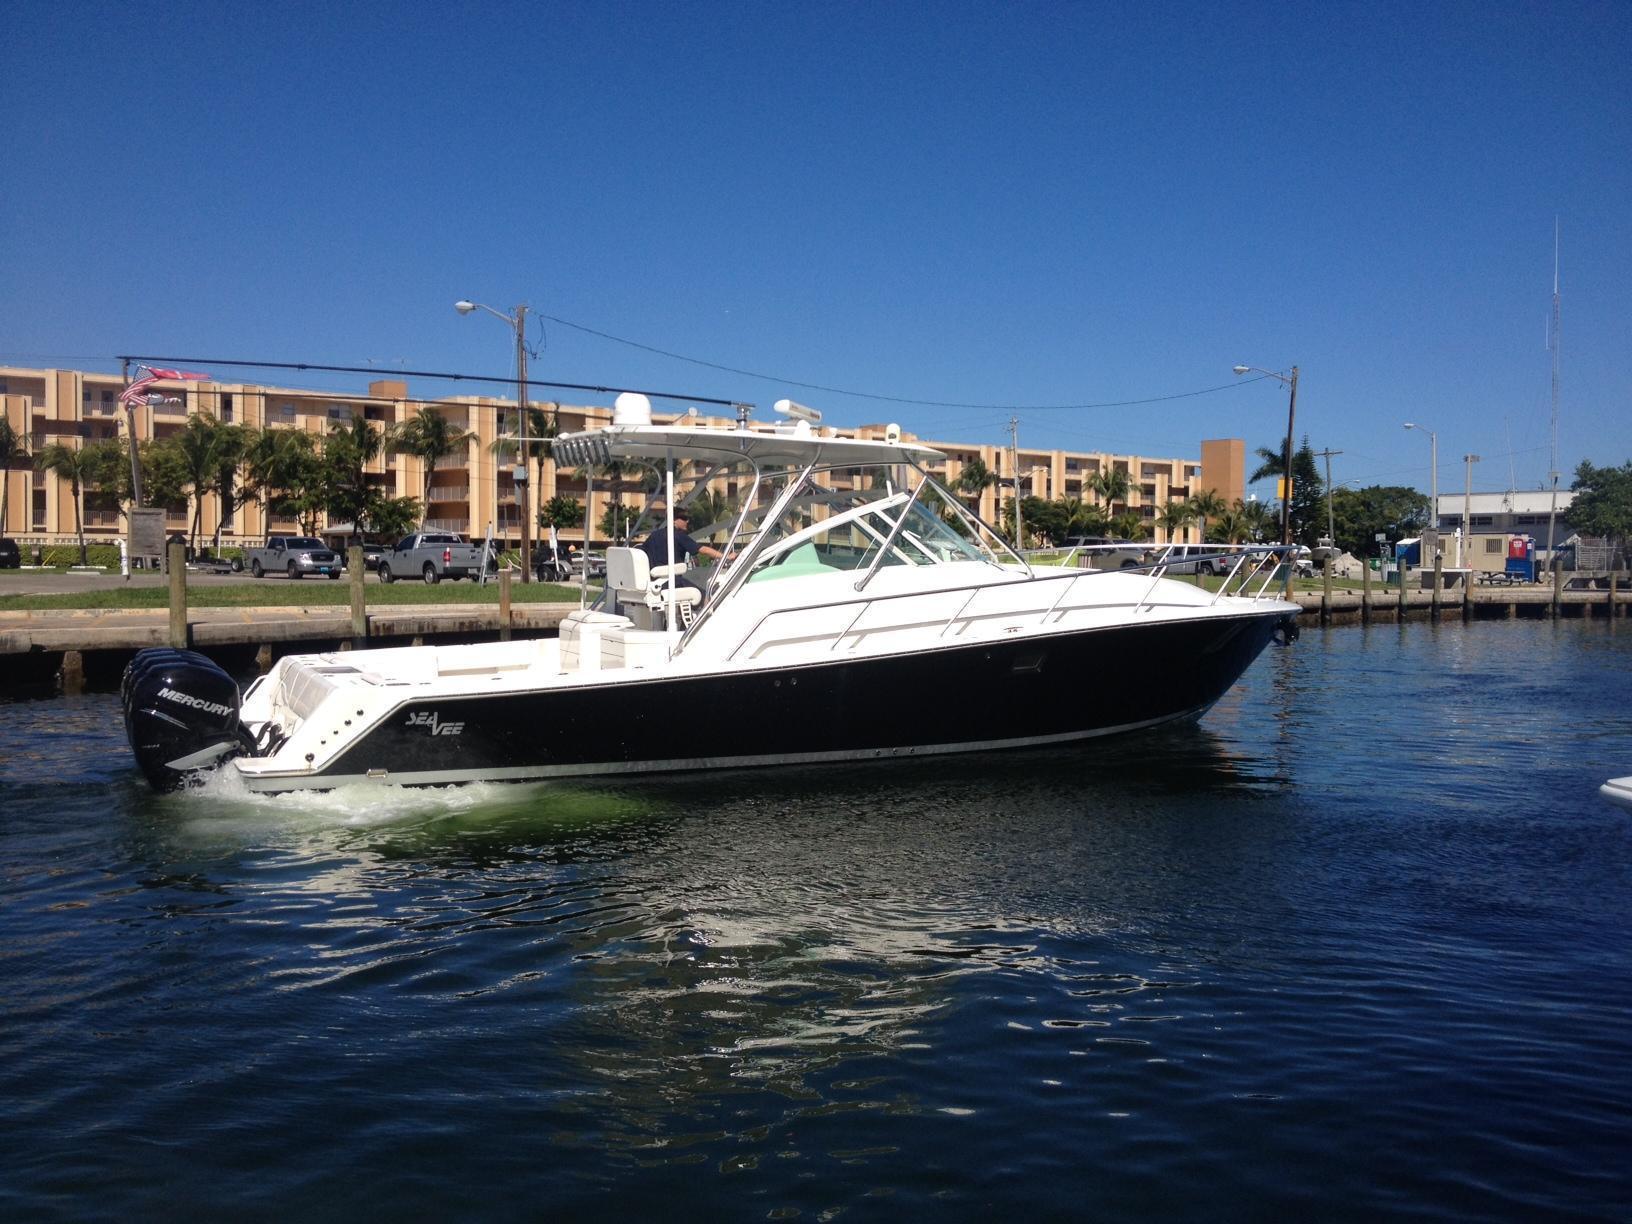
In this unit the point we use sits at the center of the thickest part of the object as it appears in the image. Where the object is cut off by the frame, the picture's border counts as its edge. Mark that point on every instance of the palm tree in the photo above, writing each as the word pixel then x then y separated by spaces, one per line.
pixel 975 479
pixel 1232 526
pixel 234 444
pixel 542 428
pixel 347 451
pixel 1254 515
pixel 1207 504
pixel 74 465
pixel 1174 517
pixel 428 436
pixel 617 519
pixel 13 447
pixel 211 452
pixel 1082 518
pixel 282 470
pixel 1273 464
pixel 1129 525
pixel 1111 485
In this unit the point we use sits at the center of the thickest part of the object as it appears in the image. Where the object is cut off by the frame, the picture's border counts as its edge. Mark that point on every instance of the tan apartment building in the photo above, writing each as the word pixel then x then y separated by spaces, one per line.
pixel 471 490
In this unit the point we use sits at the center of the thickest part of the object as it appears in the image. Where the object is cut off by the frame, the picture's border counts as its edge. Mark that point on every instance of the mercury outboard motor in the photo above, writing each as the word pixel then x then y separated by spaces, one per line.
pixel 181 715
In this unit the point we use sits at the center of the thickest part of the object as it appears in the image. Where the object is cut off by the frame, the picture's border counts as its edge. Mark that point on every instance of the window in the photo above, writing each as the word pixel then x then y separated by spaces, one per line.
pixel 1494 545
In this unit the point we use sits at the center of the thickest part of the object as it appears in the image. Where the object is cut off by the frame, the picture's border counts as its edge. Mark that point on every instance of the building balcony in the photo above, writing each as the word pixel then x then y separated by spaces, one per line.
pixel 450 493
pixel 445 524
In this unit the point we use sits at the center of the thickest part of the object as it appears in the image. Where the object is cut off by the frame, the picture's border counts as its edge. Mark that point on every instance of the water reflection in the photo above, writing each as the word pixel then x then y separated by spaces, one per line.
pixel 982 975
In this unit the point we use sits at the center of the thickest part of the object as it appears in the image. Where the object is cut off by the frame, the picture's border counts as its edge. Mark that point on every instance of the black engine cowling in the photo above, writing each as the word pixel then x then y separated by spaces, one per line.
pixel 181 715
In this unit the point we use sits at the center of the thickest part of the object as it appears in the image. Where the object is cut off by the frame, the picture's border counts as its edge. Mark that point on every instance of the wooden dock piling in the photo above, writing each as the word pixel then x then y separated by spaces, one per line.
pixel 357 571
pixel 176 561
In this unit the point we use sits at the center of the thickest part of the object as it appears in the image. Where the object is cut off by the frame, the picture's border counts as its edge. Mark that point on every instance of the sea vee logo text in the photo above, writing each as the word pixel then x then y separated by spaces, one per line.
pixel 429 720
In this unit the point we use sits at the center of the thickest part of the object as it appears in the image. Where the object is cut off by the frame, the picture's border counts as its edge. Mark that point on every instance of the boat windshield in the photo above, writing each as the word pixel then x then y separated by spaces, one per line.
pixel 836 518
pixel 843 518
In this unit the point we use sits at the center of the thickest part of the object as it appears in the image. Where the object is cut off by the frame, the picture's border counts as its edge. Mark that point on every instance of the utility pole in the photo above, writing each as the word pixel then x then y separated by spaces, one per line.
pixel 135 459
pixel 524 468
pixel 1331 529
pixel 1286 500
pixel 517 321
pixel 1467 509
pixel 1014 467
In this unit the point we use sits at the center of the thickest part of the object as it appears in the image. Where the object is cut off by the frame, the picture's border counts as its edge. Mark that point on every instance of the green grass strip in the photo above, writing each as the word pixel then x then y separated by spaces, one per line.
pixel 283 593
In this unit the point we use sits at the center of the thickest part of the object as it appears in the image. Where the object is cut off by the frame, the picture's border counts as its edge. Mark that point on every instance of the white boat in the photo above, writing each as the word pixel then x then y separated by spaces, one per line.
pixel 858 611
pixel 1618 790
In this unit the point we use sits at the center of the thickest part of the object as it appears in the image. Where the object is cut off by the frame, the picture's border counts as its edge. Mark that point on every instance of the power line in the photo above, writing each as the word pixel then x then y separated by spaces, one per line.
pixel 440 374
pixel 893 399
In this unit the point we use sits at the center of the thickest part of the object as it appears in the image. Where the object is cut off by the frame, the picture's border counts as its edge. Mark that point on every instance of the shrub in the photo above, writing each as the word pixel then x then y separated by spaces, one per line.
pixel 104 555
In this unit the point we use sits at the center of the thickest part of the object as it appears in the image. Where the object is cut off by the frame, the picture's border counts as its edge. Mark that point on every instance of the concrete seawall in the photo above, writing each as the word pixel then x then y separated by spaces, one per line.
pixel 1497 603
pixel 36 647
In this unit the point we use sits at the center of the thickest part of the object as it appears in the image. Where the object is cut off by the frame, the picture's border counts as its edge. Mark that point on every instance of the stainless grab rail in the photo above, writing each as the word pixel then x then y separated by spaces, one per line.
pixel 975 590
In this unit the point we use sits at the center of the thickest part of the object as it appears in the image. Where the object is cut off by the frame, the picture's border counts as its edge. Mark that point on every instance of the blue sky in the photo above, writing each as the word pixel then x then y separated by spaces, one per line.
pixel 1018 205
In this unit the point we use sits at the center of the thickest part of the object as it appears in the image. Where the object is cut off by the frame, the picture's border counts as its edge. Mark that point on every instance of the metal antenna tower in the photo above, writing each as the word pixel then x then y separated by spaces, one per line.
pixel 1014 453
pixel 1331 528
pixel 1552 512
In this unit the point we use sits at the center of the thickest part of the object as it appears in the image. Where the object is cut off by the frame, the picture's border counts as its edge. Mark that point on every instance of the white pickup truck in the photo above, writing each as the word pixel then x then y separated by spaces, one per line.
pixel 433 556
pixel 295 556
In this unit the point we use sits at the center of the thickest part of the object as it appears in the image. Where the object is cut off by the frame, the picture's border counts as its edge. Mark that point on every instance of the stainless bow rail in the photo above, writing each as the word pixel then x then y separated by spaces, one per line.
pixel 1262 558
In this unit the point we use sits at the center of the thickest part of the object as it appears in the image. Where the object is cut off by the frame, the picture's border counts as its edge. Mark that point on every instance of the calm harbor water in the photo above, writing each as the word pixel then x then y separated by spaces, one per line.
pixel 1360 943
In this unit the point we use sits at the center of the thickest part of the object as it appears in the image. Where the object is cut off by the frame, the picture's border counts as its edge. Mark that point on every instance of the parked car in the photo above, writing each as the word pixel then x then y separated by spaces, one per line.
pixel 11 557
pixel 295 556
pixel 1107 552
pixel 433 556
pixel 1182 558
pixel 371 555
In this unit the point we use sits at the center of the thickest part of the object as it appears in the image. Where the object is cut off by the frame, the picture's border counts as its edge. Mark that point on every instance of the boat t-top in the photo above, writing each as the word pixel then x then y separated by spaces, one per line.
pixel 857 610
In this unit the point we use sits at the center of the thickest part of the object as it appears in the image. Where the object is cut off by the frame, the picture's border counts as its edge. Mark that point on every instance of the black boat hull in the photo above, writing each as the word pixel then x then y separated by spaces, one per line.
pixel 960 698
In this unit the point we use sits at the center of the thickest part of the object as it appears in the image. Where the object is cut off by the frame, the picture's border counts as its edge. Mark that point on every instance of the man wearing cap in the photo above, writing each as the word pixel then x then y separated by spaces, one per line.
pixel 656 545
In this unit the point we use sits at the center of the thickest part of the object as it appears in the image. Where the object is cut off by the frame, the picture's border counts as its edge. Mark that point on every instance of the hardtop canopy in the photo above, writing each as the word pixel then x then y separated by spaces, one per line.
pixel 764 449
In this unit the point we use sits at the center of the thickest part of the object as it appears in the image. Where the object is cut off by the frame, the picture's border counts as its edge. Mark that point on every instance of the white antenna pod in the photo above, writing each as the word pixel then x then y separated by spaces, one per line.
pixel 631 408
pixel 790 408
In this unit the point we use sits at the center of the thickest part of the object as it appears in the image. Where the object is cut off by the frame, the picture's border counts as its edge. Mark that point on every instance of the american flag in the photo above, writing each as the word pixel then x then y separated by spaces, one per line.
pixel 136 393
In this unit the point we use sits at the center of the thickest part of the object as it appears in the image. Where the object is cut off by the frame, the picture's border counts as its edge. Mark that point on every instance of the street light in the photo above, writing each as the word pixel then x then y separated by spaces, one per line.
pixel 518 321
pixel 1291 380
pixel 1431 536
